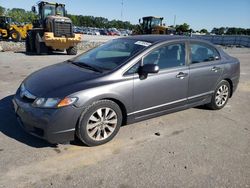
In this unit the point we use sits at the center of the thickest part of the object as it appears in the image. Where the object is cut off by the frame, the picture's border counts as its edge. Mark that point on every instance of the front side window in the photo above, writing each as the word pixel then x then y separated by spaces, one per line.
pixel 60 10
pixel 49 10
pixel 169 56
pixel 203 53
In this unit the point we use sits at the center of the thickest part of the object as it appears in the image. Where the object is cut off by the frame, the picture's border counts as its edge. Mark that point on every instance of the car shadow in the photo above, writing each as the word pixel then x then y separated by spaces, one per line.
pixel 10 127
pixel 202 107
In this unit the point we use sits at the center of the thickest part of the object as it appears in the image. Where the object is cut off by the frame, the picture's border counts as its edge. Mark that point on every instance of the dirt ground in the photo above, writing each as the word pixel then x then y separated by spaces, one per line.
pixel 192 148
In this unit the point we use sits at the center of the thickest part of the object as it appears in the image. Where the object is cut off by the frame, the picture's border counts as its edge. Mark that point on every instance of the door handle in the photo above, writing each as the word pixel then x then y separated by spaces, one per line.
pixel 215 69
pixel 181 75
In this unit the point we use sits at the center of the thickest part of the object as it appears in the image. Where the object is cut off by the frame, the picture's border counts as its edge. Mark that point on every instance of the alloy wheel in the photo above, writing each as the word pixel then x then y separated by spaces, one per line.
pixel 222 95
pixel 102 124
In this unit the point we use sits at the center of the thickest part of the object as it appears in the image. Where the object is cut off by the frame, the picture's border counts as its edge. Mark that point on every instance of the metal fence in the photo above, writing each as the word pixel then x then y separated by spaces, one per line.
pixel 226 40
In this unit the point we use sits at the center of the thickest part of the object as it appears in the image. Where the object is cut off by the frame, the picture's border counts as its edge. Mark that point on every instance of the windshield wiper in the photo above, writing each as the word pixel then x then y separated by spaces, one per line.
pixel 86 66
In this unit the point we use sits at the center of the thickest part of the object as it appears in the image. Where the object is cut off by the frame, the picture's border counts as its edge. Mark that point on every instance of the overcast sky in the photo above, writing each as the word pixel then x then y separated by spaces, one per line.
pixel 197 13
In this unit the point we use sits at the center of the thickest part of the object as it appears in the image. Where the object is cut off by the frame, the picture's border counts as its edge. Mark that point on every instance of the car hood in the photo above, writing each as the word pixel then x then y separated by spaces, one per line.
pixel 52 79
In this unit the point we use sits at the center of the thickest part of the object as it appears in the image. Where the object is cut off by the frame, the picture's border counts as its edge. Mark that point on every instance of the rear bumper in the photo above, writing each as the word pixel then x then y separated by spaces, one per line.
pixel 53 125
pixel 61 43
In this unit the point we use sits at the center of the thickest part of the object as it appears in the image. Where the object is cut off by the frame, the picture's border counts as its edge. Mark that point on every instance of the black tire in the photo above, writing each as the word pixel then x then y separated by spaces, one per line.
pixel 72 50
pixel 82 131
pixel 15 35
pixel 41 48
pixel 31 40
pixel 27 45
pixel 213 104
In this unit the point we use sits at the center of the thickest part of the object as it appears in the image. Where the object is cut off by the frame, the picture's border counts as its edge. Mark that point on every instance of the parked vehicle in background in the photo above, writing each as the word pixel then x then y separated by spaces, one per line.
pixel 152 25
pixel 52 31
pixel 103 32
pixel 15 31
pixel 123 81
pixel 114 32
pixel 123 32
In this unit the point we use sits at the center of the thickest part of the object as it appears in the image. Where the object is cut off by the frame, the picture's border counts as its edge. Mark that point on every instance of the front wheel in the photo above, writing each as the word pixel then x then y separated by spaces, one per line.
pixel 72 50
pixel 99 123
pixel 220 96
pixel 15 35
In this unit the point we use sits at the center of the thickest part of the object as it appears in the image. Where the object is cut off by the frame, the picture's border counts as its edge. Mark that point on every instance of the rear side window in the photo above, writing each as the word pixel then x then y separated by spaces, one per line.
pixel 203 53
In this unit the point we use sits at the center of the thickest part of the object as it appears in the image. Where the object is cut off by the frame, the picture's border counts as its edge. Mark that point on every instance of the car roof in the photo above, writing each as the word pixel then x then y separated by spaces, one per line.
pixel 162 38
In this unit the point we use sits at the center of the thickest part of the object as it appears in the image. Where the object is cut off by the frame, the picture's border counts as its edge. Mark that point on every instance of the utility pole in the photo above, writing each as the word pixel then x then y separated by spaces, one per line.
pixel 122 11
pixel 174 19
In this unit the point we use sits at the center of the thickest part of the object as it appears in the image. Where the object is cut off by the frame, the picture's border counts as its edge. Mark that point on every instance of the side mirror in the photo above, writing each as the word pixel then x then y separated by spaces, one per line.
pixel 148 69
pixel 33 9
pixel 216 58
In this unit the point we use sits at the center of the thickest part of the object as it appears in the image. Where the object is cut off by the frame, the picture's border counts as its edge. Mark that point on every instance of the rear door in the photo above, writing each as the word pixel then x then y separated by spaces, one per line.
pixel 205 71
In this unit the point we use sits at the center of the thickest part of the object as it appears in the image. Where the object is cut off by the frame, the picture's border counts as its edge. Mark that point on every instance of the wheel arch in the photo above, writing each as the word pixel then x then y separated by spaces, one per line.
pixel 122 107
pixel 231 86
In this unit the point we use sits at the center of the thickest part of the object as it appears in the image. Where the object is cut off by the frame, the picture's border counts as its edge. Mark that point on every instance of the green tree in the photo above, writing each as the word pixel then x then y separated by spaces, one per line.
pixel 203 31
pixel 21 16
pixel 182 28
pixel 2 10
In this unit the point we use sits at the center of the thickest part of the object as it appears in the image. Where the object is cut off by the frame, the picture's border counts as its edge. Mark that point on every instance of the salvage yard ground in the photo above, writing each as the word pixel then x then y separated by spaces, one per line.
pixel 191 148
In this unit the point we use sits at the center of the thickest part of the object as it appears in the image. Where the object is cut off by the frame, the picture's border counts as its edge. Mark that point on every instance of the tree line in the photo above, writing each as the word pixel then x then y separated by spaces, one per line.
pixel 22 16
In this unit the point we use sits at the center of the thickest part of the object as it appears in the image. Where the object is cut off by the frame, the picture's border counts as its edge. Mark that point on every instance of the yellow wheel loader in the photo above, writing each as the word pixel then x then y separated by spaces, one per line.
pixel 152 25
pixel 9 29
pixel 53 31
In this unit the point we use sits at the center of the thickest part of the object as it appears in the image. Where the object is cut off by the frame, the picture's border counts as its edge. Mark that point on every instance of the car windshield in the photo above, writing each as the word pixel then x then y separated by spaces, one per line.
pixel 112 54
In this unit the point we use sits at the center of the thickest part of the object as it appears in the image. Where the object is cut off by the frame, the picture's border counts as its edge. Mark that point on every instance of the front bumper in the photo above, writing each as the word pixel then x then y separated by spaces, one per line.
pixel 54 125
pixel 61 43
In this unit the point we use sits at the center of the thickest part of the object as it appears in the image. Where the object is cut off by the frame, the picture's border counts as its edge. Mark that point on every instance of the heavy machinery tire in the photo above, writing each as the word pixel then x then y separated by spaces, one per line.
pixel 41 48
pixel 15 35
pixel 72 50
pixel 27 44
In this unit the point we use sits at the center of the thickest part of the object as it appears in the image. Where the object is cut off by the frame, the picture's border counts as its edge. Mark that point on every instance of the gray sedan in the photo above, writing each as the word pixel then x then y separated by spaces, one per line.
pixel 123 81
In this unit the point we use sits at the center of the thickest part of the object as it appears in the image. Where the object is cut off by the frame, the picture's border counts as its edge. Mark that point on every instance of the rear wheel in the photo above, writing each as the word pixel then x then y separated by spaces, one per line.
pixel 15 35
pixel 27 44
pixel 41 48
pixel 220 96
pixel 99 123
pixel 72 50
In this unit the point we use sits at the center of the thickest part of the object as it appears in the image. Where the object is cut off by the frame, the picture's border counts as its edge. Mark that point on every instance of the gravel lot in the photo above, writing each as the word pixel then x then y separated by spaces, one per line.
pixel 193 148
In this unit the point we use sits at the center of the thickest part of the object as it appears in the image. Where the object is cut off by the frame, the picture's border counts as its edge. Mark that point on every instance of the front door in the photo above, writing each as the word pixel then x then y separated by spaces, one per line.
pixel 166 89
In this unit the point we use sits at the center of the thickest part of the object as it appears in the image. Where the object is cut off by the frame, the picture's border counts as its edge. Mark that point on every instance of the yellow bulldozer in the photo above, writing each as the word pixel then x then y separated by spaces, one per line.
pixel 152 25
pixel 53 31
pixel 9 29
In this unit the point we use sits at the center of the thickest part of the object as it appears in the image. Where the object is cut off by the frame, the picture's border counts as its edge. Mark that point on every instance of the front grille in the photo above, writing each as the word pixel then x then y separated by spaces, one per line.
pixel 63 29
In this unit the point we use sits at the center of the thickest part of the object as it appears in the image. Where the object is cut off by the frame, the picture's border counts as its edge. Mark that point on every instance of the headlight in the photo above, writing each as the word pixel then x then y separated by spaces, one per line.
pixel 53 102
